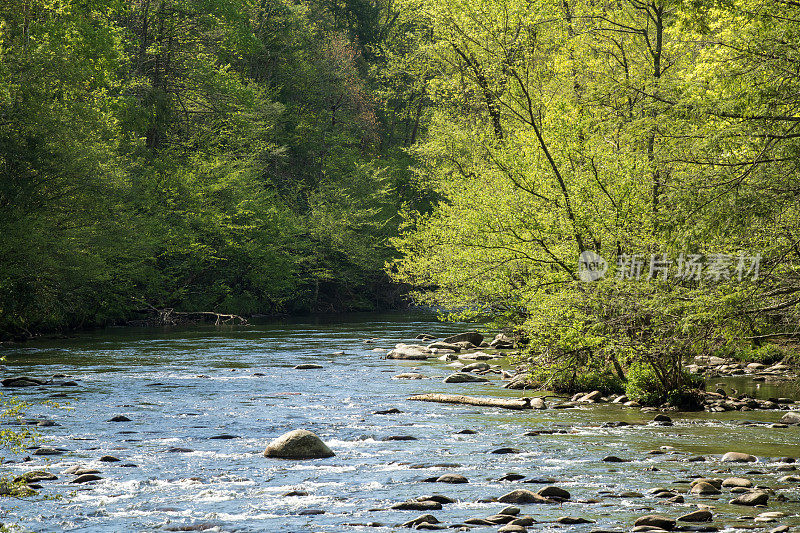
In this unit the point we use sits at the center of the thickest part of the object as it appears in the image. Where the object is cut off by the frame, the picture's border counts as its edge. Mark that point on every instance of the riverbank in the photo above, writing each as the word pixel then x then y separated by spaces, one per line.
pixel 189 413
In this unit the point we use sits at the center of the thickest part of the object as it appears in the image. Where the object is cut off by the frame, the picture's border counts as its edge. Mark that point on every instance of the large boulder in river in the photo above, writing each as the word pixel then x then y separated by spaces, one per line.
pixel 298 444
pixel 409 351
pixel 792 417
pixel 736 457
pixel 470 336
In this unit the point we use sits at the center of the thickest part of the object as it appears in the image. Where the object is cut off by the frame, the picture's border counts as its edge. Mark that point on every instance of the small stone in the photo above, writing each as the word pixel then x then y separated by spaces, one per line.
pixel 119 418
pixel 46 450
pixel 500 519
pixel 751 499
pixel 452 478
pixel 573 520
pixel 307 366
pixel 34 476
pixel 614 459
pixel 554 492
pixel 502 451
pixel 737 482
pixel 661 418
pixel 792 417
pixel 525 521
pixel 523 496
pixel 108 459
pixel 511 510
pixel 436 498
pixel 511 477
pixel 653 520
pixel 704 489
pixel 512 528
pixel 423 519
pixel 702 515
pixel 416 505
pixel 85 478
pixel 462 377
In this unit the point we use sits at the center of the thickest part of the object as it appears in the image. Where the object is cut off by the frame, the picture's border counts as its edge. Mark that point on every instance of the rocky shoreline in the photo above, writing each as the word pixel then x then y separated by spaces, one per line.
pixel 466 347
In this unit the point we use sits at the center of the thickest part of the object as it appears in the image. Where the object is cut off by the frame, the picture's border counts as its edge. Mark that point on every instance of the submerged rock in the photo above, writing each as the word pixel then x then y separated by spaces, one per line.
pixel 298 444
pixel 523 496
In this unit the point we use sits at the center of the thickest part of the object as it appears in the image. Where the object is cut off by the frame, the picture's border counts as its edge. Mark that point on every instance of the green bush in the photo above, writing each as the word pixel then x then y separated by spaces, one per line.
pixel 571 381
pixel 767 354
pixel 645 386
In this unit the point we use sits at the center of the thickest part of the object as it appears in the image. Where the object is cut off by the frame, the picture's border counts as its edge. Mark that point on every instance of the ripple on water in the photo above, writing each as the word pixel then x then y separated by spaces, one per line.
pixel 154 378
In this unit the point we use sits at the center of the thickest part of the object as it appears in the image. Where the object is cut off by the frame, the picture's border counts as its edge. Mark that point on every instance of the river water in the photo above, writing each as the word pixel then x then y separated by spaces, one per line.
pixel 181 388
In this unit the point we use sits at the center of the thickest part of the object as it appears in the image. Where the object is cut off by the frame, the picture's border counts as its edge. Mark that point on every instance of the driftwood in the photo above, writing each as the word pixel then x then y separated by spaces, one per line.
pixel 505 403
pixel 170 317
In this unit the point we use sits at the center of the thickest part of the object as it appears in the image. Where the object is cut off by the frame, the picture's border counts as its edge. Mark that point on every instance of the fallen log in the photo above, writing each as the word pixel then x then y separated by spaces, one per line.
pixel 505 403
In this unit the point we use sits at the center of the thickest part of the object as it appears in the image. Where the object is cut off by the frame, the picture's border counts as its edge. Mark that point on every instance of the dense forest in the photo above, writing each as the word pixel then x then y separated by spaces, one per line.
pixel 656 138
pixel 279 156
pixel 237 156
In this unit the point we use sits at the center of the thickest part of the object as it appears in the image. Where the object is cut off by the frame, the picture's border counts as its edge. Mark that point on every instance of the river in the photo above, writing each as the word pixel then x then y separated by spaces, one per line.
pixel 181 388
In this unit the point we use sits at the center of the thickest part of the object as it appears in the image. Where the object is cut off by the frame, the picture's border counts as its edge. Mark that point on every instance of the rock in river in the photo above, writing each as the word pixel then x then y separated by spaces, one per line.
pixel 470 336
pixel 523 496
pixel 463 377
pixel 654 520
pixel 736 457
pixel 409 351
pixel 792 417
pixel 452 478
pixel 702 515
pixel 751 499
pixel 705 489
pixel 298 444
pixel 85 478
pixel 418 505
pixel 554 492
pixel 737 482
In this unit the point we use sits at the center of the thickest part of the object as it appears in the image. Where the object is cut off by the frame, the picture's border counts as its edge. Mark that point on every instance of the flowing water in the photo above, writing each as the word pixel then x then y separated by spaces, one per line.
pixel 182 388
